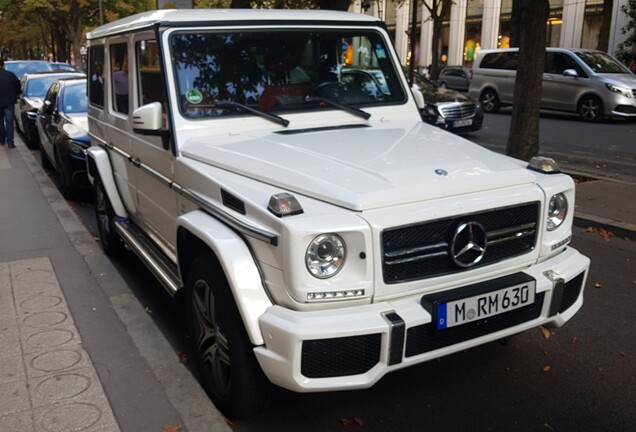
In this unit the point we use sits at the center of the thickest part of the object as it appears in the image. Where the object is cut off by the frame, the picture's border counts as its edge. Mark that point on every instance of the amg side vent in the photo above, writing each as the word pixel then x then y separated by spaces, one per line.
pixel 424 250
pixel 232 202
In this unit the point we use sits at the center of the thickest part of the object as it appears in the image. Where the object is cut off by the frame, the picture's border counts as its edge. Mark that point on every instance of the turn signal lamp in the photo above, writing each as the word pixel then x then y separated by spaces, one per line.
pixel 544 165
pixel 284 204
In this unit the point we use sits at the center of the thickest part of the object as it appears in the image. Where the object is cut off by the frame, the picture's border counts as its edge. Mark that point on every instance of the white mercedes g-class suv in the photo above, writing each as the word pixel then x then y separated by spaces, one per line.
pixel 273 167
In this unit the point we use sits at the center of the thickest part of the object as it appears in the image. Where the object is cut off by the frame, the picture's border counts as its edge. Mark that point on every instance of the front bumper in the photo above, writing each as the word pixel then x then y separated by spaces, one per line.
pixel 352 348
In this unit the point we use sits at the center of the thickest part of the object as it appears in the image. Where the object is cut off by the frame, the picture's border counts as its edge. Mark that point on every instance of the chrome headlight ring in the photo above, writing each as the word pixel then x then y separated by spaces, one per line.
pixel 325 255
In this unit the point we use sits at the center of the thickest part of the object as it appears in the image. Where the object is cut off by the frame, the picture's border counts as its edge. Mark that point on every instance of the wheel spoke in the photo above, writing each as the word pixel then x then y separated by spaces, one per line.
pixel 212 343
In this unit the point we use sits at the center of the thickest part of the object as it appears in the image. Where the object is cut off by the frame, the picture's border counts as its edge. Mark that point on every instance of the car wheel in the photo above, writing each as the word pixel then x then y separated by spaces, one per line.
pixel 489 101
pixel 228 368
pixel 443 85
pixel 111 242
pixel 591 109
pixel 44 159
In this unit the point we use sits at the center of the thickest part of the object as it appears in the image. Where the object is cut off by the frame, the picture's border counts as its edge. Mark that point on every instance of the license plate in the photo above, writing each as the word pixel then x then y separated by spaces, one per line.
pixel 462 123
pixel 485 305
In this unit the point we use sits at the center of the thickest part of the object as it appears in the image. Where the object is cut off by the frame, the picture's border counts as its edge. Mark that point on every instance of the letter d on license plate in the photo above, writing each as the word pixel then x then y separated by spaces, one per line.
pixel 485 305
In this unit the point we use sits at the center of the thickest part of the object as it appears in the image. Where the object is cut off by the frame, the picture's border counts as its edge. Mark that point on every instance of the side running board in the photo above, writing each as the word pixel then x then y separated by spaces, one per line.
pixel 159 264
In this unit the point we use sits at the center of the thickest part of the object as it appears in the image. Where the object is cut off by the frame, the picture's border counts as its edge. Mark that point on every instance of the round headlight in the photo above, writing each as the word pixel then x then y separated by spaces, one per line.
pixel 325 256
pixel 557 211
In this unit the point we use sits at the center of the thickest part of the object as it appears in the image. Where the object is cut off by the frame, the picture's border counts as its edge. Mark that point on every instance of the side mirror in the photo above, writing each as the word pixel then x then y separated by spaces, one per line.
pixel 147 120
pixel 418 96
pixel 570 73
pixel 47 107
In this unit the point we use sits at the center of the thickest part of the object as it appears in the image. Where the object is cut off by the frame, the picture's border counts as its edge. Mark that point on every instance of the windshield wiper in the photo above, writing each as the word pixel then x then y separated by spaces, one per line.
pixel 351 110
pixel 271 117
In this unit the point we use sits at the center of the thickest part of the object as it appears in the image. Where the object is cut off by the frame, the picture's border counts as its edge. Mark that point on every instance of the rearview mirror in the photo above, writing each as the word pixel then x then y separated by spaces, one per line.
pixel 418 96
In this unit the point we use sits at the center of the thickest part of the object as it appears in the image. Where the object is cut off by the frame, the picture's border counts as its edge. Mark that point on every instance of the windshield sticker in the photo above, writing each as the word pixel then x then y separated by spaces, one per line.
pixel 194 97
pixel 379 52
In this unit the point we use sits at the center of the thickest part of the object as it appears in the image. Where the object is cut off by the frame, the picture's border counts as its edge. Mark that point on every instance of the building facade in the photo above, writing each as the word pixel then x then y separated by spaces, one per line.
pixel 472 25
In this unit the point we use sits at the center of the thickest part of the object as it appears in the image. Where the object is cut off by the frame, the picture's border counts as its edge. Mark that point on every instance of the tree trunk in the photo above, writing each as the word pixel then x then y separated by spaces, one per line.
pixel 438 10
pixel 530 22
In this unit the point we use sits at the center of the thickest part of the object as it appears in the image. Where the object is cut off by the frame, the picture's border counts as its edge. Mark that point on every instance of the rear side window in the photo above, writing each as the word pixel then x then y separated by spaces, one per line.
pixel 500 60
pixel 119 76
pixel 95 74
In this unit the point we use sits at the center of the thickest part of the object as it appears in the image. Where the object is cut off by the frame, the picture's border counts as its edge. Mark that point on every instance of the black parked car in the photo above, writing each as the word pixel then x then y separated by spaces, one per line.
pixel 62 125
pixel 20 67
pixel 448 109
pixel 34 87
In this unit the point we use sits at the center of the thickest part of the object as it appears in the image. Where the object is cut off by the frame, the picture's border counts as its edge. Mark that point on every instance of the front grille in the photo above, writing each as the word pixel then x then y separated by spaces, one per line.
pixel 426 338
pixel 571 292
pixel 457 110
pixel 422 250
pixel 336 357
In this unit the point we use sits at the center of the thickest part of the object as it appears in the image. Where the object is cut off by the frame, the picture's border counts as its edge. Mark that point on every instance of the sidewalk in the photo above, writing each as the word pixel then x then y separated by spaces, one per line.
pixel 607 204
pixel 77 350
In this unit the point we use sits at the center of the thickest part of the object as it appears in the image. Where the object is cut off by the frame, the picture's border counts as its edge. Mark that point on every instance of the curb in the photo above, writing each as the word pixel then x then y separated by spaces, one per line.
pixel 620 229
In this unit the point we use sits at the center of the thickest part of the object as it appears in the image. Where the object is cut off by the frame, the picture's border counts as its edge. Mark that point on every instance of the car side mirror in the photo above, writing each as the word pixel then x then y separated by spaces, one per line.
pixel 147 120
pixel 570 73
pixel 48 107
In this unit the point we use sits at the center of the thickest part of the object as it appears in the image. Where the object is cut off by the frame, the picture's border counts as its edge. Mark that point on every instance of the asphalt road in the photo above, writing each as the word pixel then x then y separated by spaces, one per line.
pixel 604 149
pixel 581 378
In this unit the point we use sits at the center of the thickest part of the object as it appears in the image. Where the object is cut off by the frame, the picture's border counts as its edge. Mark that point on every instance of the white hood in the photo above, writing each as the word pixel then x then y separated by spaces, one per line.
pixel 364 168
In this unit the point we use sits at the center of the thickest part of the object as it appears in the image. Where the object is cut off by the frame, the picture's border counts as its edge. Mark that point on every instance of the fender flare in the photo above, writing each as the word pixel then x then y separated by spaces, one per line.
pixel 244 280
pixel 98 164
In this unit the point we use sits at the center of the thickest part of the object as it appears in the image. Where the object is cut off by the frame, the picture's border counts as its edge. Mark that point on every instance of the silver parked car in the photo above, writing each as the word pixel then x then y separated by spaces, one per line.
pixel 590 83
pixel 455 77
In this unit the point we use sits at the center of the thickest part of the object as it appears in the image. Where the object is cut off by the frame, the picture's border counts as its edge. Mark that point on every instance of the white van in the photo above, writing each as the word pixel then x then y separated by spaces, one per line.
pixel 320 234
pixel 590 83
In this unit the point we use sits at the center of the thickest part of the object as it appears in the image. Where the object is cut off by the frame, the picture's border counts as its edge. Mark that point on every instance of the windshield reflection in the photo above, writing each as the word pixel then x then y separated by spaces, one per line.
pixel 281 71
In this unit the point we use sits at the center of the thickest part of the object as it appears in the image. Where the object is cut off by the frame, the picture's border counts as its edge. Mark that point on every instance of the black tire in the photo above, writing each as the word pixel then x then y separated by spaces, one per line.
pixel 111 242
pixel 489 101
pixel 443 85
pixel 591 109
pixel 229 371
pixel 44 159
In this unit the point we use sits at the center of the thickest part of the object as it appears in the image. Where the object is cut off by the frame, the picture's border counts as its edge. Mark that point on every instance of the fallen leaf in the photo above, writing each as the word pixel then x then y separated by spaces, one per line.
pixel 170 428
pixel 228 421
pixel 599 369
pixel 598 285
pixel 548 426
pixel 546 368
pixel 622 354
pixel 600 231
pixel 358 421
pixel 546 333
pixel 346 421
pixel 574 339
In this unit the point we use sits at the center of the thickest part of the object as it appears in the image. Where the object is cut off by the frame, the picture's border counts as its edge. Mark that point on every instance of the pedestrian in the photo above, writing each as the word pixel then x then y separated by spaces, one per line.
pixel 9 92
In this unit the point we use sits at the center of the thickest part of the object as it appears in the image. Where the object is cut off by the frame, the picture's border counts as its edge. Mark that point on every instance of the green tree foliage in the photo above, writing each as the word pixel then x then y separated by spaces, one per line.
pixel 31 28
pixel 627 49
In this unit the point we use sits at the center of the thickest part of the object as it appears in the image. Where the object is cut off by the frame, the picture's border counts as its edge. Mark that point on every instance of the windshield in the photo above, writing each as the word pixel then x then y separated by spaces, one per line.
pixel 74 99
pixel 282 71
pixel 37 87
pixel 601 63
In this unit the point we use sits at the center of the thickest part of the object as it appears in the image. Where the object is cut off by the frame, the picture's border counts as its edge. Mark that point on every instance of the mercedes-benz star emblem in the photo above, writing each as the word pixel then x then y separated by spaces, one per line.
pixel 469 244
